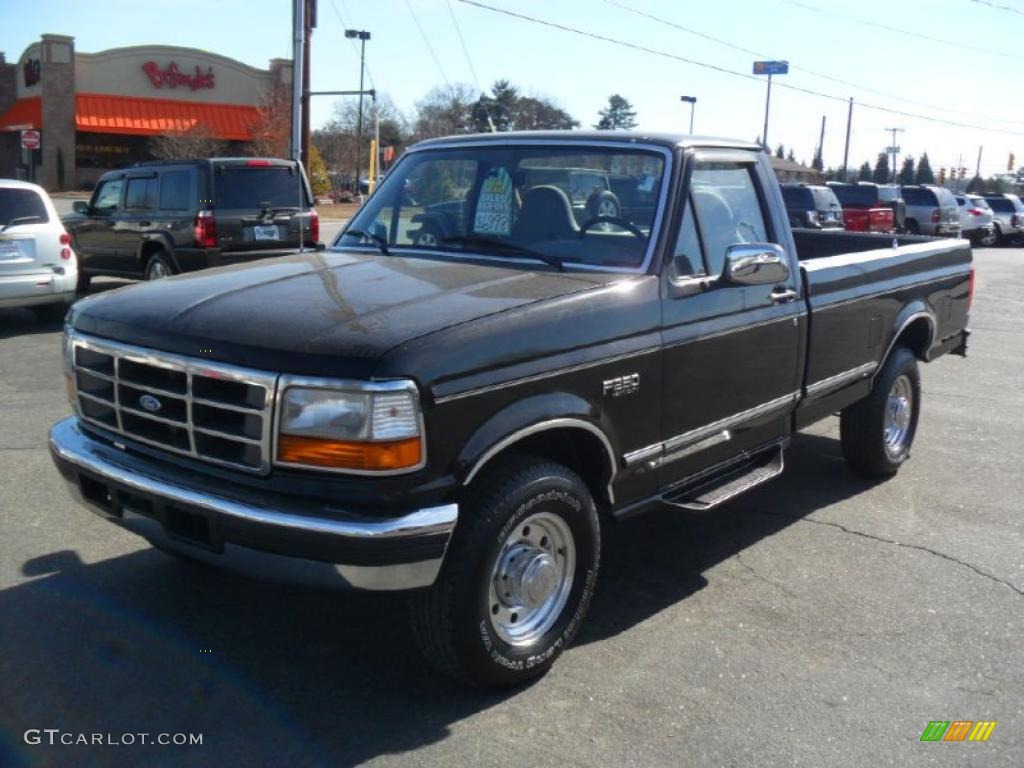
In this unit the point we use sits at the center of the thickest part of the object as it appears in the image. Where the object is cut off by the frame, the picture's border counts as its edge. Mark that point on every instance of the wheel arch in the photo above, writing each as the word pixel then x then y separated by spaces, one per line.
pixel 915 329
pixel 152 245
pixel 558 426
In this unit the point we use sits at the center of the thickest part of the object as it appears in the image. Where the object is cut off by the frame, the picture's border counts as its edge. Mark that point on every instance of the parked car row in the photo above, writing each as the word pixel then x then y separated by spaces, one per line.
pixel 912 209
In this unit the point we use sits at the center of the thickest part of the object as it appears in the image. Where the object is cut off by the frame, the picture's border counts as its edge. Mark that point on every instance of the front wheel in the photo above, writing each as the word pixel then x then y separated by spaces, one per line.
pixel 518 577
pixel 877 432
pixel 158 266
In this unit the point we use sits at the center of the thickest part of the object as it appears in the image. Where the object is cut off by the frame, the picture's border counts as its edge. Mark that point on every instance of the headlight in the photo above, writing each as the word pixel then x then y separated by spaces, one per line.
pixel 372 428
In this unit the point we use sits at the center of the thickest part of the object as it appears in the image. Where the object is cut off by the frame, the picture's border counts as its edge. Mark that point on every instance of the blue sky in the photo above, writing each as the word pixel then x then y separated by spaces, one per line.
pixel 973 78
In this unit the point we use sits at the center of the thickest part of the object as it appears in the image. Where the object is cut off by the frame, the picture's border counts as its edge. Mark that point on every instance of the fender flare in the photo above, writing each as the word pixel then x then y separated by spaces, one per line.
pixel 166 245
pixel 911 313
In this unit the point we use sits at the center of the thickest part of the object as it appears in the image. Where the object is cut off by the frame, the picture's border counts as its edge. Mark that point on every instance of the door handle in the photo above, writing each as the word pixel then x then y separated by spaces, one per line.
pixel 783 296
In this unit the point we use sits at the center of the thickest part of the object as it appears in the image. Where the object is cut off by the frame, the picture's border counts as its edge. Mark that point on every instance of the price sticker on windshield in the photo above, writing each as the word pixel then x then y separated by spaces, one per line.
pixel 494 206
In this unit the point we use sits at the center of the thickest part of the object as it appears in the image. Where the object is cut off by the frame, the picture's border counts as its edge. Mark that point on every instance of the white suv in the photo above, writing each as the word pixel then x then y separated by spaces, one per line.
pixel 37 266
pixel 975 219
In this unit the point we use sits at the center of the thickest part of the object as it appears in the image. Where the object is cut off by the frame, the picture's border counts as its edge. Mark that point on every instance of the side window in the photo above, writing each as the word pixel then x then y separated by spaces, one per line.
pixel 728 208
pixel 687 259
pixel 108 196
pixel 174 191
pixel 140 195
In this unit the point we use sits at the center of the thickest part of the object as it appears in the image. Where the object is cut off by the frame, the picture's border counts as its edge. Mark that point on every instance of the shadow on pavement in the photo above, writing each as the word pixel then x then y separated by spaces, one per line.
pixel 279 675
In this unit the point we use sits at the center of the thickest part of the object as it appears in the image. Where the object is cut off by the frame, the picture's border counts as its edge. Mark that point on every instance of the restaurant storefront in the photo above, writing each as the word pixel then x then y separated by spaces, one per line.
pixel 97 111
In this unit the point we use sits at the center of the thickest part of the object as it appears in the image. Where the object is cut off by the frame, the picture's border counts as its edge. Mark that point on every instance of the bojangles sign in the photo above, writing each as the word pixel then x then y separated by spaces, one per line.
pixel 172 77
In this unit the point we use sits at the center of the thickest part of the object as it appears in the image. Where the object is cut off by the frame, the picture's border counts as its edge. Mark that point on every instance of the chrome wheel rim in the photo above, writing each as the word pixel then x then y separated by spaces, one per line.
pixel 531 579
pixel 157 270
pixel 426 239
pixel 899 410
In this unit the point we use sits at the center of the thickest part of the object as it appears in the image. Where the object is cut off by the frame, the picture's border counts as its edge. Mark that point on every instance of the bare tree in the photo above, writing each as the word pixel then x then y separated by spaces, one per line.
pixel 196 142
pixel 272 130
pixel 445 111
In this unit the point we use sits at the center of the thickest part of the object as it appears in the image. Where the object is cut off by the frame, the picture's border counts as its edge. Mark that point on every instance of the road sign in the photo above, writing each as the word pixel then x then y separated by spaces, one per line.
pixel 893 150
pixel 30 139
pixel 771 67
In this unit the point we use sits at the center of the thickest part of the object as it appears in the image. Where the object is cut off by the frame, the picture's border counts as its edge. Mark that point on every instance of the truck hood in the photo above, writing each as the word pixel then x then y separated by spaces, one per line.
pixel 318 314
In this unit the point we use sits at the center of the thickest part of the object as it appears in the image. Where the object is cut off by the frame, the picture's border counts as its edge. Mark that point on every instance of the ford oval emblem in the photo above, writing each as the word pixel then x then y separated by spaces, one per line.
pixel 150 403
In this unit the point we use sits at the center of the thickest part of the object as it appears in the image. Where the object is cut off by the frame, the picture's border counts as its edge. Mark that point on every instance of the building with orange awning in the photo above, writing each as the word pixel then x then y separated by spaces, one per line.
pixel 98 111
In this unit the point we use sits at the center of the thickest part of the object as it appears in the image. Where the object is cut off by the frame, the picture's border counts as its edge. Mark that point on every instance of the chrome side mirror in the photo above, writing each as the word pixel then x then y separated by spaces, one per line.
pixel 755 264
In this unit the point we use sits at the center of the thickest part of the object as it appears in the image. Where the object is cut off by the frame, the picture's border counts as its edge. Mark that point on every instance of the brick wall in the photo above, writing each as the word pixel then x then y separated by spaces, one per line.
pixel 57 170
pixel 10 144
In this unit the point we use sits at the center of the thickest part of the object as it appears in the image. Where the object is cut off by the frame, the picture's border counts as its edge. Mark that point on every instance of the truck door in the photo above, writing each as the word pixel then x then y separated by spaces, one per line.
pixel 732 353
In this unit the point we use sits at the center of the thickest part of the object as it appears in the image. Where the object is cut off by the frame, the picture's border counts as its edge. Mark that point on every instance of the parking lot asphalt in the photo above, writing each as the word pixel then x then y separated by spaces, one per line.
pixel 820 621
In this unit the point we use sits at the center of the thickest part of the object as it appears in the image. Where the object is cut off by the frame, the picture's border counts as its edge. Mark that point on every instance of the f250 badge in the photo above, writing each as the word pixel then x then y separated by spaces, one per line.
pixel 622 385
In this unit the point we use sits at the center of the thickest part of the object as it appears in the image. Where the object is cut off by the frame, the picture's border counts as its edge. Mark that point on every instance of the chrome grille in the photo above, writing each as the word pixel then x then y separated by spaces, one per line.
pixel 210 411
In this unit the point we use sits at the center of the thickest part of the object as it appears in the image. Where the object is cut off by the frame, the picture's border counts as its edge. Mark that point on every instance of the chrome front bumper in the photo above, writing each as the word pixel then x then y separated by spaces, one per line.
pixel 284 540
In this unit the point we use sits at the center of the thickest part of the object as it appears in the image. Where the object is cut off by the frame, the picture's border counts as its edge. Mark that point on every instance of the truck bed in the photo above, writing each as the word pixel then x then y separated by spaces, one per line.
pixel 861 289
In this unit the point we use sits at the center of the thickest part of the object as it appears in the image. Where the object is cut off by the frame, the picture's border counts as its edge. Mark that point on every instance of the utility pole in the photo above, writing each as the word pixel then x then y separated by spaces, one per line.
pixel 298 58
pixel 307 34
pixel 846 152
pixel 821 144
pixel 692 101
pixel 893 149
pixel 977 168
pixel 363 36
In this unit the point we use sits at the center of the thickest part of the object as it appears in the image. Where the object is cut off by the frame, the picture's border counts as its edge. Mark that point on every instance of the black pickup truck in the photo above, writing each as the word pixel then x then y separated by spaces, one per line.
pixel 467 419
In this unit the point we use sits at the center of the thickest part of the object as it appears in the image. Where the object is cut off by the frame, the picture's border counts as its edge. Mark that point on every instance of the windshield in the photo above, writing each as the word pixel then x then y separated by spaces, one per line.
pixel 855 195
pixel 583 205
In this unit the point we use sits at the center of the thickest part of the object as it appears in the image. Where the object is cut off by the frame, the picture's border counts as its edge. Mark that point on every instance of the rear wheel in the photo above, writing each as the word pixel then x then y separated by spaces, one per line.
pixel 82 285
pixel 158 266
pixel 912 227
pixel 877 432
pixel 518 576
pixel 997 235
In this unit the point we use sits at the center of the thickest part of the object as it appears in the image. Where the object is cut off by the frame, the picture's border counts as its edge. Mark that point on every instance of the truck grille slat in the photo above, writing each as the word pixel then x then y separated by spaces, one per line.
pixel 210 411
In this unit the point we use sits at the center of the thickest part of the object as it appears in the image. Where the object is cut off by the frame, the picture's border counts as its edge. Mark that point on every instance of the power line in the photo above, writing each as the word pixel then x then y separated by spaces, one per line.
pixel 465 50
pixel 793 67
pixel 430 47
pixel 908 33
pixel 999 7
pixel 734 73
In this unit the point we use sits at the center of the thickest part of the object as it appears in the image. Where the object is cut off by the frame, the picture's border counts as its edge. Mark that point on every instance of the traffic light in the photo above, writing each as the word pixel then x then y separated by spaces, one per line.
pixel 963 172
pixel 942 176
pixel 1010 162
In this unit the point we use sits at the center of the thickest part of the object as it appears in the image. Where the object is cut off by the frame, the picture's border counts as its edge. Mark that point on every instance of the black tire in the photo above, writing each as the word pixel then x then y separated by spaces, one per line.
pixel 912 227
pixel 82 285
pixel 997 238
pixel 867 446
pixel 603 203
pixel 51 313
pixel 158 265
pixel 452 620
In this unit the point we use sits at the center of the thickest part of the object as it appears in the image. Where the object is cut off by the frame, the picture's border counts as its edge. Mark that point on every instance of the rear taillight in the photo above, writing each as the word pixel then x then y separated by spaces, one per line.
pixel 976 212
pixel 936 216
pixel 1015 220
pixel 204 227
pixel 314 226
pixel 970 289
pixel 65 246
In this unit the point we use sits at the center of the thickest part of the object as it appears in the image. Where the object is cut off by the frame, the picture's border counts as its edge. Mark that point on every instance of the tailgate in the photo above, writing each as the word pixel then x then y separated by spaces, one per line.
pixel 257 204
pixel 880 220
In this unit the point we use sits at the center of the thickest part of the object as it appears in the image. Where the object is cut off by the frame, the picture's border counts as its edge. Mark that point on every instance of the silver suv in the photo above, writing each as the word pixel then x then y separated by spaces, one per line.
pixel 1007 217
pixel 931 211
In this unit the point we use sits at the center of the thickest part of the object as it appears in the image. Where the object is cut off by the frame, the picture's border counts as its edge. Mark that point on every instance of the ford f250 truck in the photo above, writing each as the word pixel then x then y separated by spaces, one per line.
pixel 467 417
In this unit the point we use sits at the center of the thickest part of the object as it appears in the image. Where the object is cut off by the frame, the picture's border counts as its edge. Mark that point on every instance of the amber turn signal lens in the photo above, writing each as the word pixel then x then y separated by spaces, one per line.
pixel 350 454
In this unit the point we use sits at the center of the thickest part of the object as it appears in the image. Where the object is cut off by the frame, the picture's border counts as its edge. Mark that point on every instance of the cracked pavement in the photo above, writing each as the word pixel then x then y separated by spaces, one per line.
pixel 821 620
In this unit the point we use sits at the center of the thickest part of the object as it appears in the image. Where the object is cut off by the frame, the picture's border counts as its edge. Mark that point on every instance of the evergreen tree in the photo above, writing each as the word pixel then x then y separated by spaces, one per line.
pixel 618 115
pixel 974 186
pixel 907 171
pixel 924 173
pixel 865 172
pixel 791 155
pixel 818 163
pixel 780 151
pixel 881 173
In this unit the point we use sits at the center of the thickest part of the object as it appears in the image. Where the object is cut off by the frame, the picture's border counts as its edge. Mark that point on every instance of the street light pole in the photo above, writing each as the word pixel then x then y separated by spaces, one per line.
pixel 692 101
pixel 767 103
pixel 363 37
pixel 893 150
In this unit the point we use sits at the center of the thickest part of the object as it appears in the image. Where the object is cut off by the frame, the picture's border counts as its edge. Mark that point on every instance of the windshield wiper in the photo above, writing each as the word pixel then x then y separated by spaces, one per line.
pixel 511 248
pixel 380 242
